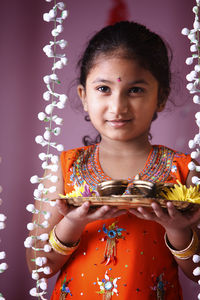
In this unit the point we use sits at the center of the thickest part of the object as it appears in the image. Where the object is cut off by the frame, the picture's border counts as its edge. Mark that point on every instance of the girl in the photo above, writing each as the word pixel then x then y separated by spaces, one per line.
pixel 108 252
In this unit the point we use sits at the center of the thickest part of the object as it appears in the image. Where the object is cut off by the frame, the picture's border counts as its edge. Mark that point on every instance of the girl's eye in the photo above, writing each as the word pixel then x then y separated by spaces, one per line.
pixel 103 89
pixel 136 90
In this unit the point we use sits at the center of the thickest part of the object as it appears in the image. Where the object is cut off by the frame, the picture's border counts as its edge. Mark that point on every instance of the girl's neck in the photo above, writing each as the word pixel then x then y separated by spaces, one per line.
pixel 134 148
pixel 122 160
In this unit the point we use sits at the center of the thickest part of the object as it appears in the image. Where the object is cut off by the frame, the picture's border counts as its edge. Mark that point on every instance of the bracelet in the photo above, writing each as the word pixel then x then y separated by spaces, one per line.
pixel 187 252
pixel 59 247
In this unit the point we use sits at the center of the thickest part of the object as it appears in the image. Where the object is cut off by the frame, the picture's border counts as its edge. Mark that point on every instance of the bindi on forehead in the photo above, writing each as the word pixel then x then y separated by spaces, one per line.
pixel 119 79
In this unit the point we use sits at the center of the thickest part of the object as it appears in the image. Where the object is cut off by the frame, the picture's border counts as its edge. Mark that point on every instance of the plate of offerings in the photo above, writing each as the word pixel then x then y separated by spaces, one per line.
pixel 140 193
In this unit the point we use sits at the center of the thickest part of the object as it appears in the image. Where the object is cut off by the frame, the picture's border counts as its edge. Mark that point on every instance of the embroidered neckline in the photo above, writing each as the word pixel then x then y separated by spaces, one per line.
pixel 130 179
pixel 87 166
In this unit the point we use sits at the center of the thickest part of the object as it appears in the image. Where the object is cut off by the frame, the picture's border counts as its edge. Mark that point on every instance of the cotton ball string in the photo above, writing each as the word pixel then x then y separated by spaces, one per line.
pixel 193 85
pixel 49 161
pixel 42 283
pixel 3 265
pixel 43 117
pixel 40 261
pixel 194 88
pixel 34 292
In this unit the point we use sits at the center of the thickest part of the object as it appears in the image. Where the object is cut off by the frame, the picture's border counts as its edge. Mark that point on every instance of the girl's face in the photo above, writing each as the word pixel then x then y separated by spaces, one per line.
pixel 120 97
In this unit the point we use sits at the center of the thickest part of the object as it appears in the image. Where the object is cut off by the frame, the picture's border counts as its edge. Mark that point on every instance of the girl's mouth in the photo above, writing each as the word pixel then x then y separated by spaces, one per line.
pixel 118 123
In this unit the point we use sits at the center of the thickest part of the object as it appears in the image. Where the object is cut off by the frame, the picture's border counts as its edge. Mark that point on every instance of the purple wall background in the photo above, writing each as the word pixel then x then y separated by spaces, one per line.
pixel 23 64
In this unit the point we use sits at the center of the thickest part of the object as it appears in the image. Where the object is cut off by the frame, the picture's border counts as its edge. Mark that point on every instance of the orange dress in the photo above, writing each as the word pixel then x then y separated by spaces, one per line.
pixel 125 257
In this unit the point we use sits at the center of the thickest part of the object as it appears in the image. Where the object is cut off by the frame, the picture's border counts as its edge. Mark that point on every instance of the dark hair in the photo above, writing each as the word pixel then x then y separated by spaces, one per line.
pixel 133 41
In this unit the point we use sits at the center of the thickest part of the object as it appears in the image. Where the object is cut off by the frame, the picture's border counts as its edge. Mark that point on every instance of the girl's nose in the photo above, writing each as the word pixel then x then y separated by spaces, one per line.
pixel 118 104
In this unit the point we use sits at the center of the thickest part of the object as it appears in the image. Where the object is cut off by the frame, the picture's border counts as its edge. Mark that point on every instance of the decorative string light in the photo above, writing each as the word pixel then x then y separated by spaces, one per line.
pixel 193 87
pixel 49 161
pixel 3 265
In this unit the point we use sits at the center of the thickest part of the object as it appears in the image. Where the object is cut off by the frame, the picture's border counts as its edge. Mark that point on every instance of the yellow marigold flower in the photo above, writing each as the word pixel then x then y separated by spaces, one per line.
pixel 181 193
pixel 80 191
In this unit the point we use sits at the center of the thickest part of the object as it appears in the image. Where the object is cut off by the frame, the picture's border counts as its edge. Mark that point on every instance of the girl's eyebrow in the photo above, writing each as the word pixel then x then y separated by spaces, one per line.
pixel 139 81
pixel 102 80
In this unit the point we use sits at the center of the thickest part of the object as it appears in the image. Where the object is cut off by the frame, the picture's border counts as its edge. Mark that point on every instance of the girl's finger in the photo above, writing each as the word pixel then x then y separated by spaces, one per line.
pixel 172 211
pixel 158 211
pixel 135 212
pixel 116 213
pixel 82 210
pixel 107 212
pixel 147 214
pixel 99 213
pixel 61 206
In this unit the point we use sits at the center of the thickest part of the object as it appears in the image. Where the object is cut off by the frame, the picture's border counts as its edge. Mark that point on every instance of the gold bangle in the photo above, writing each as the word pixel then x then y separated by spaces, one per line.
pixel 187 252
pixel 59 247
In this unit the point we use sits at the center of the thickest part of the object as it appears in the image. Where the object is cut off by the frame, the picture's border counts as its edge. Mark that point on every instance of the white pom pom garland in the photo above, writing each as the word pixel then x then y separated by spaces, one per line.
pixel 194 88
pixel 196 259
pixel 57 14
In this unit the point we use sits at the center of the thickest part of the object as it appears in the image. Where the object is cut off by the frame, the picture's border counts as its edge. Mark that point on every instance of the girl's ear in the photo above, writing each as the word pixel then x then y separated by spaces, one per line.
pixel 82 95
pixel 160 107
pixel 162 98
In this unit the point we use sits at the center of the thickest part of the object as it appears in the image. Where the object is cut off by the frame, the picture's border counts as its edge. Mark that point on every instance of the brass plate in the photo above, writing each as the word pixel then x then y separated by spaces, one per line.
pixel 127 201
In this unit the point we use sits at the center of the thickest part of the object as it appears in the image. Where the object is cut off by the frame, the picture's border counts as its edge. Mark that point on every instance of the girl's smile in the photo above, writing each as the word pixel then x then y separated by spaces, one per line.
pixel 120 110
pixel 118 123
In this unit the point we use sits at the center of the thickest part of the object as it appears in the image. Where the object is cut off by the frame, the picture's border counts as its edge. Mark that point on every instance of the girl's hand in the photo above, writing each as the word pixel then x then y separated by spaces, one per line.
pixel 70 228
pixel 178 227
pixel 85 214
pixel 170 219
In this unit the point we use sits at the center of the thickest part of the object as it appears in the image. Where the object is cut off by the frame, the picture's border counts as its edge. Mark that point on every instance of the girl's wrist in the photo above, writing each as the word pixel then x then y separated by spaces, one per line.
pixel 179 238
pixel 68 232
pixel 59 247
pixel 187 252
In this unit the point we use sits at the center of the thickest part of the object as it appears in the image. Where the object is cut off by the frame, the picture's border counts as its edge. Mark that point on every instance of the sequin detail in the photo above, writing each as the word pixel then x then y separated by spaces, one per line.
pixel 113 233
pixel 174 169
pixel 65 289
pixel 108 286
pixel 159 287
pixel 85 168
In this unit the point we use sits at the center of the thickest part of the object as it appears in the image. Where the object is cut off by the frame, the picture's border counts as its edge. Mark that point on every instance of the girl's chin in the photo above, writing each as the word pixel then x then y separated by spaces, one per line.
pixel 124 135
pixel 118 137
